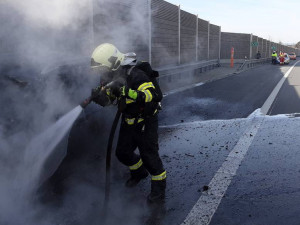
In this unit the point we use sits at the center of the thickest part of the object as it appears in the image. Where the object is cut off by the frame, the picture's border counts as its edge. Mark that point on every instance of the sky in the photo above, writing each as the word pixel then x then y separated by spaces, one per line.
pixel 262 18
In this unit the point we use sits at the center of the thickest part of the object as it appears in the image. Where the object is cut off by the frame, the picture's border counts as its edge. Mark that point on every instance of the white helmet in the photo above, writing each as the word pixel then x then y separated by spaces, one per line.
pixel 106 56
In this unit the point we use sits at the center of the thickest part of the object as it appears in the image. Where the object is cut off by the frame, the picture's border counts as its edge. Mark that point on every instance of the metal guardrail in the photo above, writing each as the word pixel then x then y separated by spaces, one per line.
pixel 178 76
pixel 201 66
pixel 253 62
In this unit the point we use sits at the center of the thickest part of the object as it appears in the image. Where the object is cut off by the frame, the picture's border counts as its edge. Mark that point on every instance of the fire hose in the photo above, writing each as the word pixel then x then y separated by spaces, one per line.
pixel 84 104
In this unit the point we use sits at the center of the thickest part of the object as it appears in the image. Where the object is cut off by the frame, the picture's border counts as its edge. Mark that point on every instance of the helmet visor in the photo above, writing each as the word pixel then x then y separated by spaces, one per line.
pixel 98 68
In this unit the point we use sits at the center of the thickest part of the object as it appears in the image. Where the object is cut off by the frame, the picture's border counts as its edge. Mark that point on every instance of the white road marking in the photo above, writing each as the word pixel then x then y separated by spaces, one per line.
pixel 208 203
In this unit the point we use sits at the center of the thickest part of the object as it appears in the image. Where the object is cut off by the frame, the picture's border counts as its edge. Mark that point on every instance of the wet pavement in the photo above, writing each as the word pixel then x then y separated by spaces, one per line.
pixel 192 153
pixel 266 187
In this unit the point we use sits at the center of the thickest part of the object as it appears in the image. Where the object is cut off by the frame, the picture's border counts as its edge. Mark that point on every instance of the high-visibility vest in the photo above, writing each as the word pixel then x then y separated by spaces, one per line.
pixel 274 55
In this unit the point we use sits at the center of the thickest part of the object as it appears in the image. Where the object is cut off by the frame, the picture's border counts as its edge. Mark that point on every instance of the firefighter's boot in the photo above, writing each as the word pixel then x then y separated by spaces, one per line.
pixel 157 194
pixel 136 176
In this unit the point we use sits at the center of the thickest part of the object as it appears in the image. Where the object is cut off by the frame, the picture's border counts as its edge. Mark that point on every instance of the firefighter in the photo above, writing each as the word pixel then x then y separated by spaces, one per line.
pixel 124 81
pixel 274 57
pixel 281 58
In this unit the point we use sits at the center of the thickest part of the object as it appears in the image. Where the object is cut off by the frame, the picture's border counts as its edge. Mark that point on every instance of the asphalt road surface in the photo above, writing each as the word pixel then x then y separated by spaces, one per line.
pixel 226 163
pixel 263 190
pixel 287 100
pixel 232 97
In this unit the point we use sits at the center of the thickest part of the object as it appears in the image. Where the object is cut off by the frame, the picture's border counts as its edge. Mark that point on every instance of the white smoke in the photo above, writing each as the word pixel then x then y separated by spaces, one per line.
pixel 46 45
pixel 51 14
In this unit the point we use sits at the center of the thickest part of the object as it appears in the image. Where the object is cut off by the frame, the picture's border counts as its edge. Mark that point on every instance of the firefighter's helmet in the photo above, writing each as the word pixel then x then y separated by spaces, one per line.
pixel 107 57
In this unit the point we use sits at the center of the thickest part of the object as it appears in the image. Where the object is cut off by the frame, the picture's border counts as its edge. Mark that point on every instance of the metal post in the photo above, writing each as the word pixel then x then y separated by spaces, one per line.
pixel 208 40
pixel 197 38
pixel 266 49
pixel 269 49
pixel 257 46
pixel 251 38
pixel 92 38
pixel 150 31
pixel 262 46
pixel 179 22
pixel 219 44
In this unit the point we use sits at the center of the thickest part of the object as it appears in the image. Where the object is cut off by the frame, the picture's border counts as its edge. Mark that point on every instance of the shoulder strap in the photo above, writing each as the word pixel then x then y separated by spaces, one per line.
pixel 130 70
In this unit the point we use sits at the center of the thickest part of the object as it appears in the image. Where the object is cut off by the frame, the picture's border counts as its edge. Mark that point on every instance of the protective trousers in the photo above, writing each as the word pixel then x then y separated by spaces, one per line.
pixel 144 136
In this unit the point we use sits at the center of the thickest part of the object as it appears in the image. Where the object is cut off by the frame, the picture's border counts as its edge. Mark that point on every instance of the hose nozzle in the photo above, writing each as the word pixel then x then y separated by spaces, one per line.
pixel 86 102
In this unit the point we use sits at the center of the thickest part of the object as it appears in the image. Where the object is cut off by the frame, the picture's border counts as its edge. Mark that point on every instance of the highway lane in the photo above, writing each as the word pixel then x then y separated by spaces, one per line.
pixel 232 97
pixel 229 98
pixel 288 99
pixel 266 189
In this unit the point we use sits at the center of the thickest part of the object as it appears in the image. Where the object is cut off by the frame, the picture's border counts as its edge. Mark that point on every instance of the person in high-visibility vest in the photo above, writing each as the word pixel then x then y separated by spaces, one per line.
pixel 274 57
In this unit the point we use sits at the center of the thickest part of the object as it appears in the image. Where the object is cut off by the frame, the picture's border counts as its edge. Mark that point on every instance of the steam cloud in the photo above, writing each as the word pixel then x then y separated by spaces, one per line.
pixel 45 49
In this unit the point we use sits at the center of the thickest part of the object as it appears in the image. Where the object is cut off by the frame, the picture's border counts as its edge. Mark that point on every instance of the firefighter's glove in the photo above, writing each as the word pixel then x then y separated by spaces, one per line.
pixel 128 92
pixel 114 89
pixel 95 92
pixel 100 97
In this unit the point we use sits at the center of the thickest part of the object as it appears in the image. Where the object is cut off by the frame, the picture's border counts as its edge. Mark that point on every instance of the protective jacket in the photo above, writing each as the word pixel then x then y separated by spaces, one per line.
pixel 146 104
pixel 146 101
pixel 139 128
pixel 139 125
